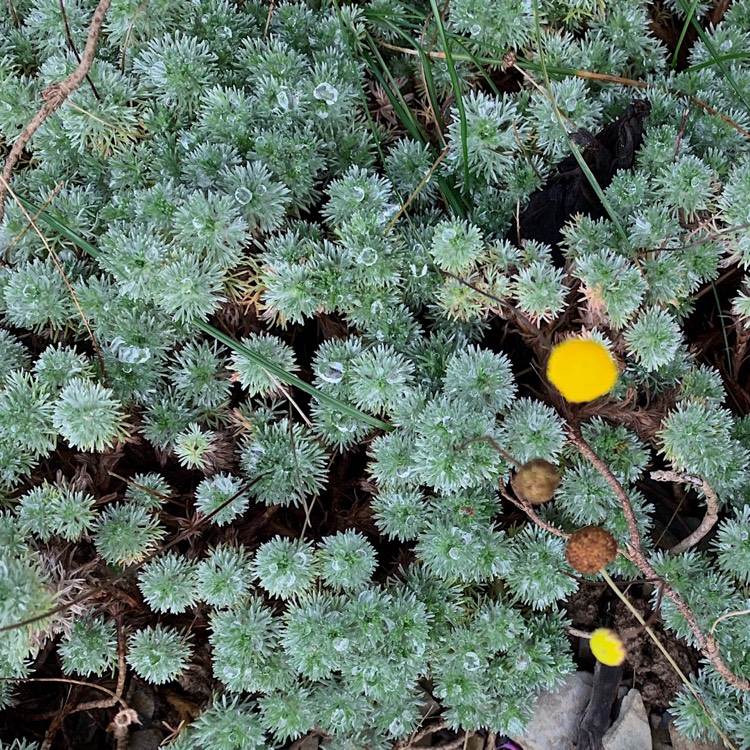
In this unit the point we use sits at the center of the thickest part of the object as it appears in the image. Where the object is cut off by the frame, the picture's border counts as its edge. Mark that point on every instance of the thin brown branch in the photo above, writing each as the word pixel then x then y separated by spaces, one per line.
pixel 128 33
pixel 28 225
pixel 67 681
pixel 707 644
pixel 54 95
pixel 712 507
pixel 115 697
pixel 73 49
pixel 528 509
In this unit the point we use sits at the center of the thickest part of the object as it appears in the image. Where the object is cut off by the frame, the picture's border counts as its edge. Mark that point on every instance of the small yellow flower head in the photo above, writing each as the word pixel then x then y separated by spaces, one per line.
pixel 608 647
pixel 581 369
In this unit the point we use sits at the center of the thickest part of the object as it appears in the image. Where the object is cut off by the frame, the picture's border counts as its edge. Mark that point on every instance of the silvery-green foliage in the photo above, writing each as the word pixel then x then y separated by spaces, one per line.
pixel 221 490
pixel 733 546
pixel 653 339
pixel 571 97
pixel 285 568
pixel 169 583
pixel 13 354
pixel 408 164
pixel 18 744
pixel 400 514
pixel 88 416
pixel 707 592
pixel 35 298
pixel 357 191
pixel 56 509
pixel 379 377
pixel 481 378
pixel 90 647
pixel 391 463
pixel 251 373
pixel 470 552
pixel 456 246
pixel 167 414
pixel 210 225
pixel 24 595
pixel 285 462
pixel 536 569
pixel 346 561
pixel 532 429
pixel 190 288
pixel 697 438
pixel 57 365
pixel 230 723
pixel 611 284
pixel 224 577
pixel 262 201
pixel 126 533
pixel 6 694
pixel 159 654
pixel 176 69
pixel 287 714
pixel 245 648
pixel 540 290
pixel 622 451
pixel 27 411
pixel 148 490
pixel 703 383
pixel 504 23
pixel 195 447
pixel 446 454
pixel 496 136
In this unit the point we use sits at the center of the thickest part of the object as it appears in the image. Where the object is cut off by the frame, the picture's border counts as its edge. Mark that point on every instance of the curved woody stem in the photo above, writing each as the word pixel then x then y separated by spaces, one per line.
pixel 707 644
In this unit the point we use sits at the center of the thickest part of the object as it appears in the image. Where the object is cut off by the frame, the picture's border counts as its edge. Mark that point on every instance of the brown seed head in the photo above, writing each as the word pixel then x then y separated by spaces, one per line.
pixel 536 481
pixel 590 549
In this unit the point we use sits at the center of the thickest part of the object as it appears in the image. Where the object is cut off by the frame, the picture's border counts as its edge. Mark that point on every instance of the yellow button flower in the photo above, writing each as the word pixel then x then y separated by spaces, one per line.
pixel 608 647
pixel 581 369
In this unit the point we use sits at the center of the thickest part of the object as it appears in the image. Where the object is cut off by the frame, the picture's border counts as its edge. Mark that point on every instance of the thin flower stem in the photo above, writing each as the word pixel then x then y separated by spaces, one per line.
pixel 667 655
pixel 726 616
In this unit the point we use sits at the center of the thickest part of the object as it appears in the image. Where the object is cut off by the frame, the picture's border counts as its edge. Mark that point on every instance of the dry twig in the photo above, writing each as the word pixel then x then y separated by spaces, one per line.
pixel 54 95
pixel 712 507
pixel 707 644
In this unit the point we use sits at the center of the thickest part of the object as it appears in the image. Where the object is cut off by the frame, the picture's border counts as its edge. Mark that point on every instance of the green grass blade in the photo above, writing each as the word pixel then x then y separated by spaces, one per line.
pixel 711 47
pixel 456 90
pixel 685 27
pixel 287 377
pixel 275 370
pixel 383 76
pixel 48 217
pixel 381 73
pixel 574 148
pixel 720 59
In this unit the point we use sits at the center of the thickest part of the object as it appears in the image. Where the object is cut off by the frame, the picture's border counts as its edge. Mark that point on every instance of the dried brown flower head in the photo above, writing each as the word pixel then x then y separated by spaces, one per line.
pixel 536 481
pixel 590 549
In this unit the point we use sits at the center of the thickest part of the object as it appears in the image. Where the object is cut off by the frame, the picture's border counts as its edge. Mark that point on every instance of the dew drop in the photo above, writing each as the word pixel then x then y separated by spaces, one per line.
pixel 471 662
pixel 367 256
pixel 324 92
pixel 333 373
pixel 243 195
